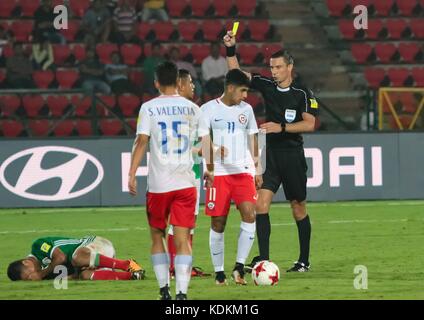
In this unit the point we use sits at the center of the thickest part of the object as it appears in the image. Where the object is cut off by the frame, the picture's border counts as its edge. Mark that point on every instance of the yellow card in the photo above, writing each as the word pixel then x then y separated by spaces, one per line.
pixel 235 27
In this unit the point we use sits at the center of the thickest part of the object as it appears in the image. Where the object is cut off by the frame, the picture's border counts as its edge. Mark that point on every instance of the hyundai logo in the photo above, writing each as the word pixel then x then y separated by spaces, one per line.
pixel 65 166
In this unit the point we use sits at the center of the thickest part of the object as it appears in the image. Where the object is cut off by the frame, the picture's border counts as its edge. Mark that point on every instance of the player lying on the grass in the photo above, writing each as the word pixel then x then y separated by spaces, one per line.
pixel 88 258
pixel 233 125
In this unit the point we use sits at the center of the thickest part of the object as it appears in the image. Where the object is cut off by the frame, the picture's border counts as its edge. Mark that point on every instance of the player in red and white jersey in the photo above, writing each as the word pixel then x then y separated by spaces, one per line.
pixel 232 124
pixel 168 124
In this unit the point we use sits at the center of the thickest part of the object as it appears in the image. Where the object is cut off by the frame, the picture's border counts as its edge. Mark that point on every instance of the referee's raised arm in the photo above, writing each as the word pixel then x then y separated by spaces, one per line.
pixel 232 61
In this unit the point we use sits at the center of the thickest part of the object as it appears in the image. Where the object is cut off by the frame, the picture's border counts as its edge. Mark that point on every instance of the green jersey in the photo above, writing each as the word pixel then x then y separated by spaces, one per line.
pixel 42 248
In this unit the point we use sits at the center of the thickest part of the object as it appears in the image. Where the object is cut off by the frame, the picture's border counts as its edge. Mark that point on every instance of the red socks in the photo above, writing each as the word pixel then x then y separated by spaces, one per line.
pixel 110 275
pixel 106 262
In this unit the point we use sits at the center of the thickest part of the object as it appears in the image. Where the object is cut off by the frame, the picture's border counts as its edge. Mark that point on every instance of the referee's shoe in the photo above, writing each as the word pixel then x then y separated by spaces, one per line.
pixel 299 267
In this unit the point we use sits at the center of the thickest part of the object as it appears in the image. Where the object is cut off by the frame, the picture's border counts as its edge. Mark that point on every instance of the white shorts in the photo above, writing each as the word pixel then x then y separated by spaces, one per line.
pixel 100 245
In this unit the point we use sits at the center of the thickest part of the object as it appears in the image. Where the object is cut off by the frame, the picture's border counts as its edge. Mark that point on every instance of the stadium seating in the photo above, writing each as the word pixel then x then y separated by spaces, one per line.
pixel 132 123
pixel 111 127
pixel 61 53
pixel 336 7
pixel 188 29
pixel 57 105
pixel 248 53
pixel 39 128
pixel 64 128
pixel 409 51
pixel 176 8
pixel 129 105
pixel 361 52
pixel 79 7
pixel 6 8
pixel 143 30
pixel 84 127
pixel 199 52
pixel 406 7
pixel 130 53
pixel 398 76
pixel 109 101
pixel 72 30
pixel 28 7
pixel 385 52
pixel 211 30
pixel 375 29
pixel 383 7
pixel 22 29
pixel 245 8
pixel 375 77
pixel 32 105
pixel 418 75
pixel 222 7
pixel 79 52
pixel 11 128
pixel 9 104
pixel 396 27
pixel 104 51
pixel 417 27
pixel 199 8
pixel 347 29
pixel 258 29
pixel 82 105
pixel 136 77
pixel 43 79
pixel 67 78
pixel 163 30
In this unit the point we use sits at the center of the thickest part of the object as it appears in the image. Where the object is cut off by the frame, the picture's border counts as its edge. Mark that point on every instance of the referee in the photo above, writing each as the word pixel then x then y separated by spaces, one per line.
pixel 290 110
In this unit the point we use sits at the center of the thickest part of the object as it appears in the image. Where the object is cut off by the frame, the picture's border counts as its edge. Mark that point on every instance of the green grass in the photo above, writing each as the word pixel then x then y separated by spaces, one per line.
pixel 386 237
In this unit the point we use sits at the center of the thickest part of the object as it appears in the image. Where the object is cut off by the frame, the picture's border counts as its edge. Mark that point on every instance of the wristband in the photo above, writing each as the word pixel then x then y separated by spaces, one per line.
pixel 283 127
pixel 231 51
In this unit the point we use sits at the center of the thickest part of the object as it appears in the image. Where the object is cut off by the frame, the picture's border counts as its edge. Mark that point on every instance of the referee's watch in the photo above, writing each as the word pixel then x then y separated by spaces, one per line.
pixel 283 126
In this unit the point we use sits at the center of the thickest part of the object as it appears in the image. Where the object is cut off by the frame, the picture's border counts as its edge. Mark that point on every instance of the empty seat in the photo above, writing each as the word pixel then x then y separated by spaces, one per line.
pixel 374 76
pixel 163 30
pixel 375 28
pixel 136 77
pixel 43 79
pixel 176 8
pixel 2 75
pixel 211 30
pixel 61 52
pixel 248 53
pixel 418 75
pixel 104 51
pixel 385 51
pixel 22 29
pixel 57 105
pixel 199 52
pixel 409 51
pixel 82 105
pixel 84 127
pixel 12 128
pixel 109 101
pixel 417 27
pixel 199 7
pixel 396 27
pixel 79 7
pixel 111 127
pixel 406 7
pixel 28 7
pixel 39 127
pixel 130 53
pixel 336 7
pixel 72 30
pixel 188 29
pixel 355 3
pixel 408 101
pixel 129 105
pixel 9 104
pixel 64 128
pixel 6 8
pixel 259 29
pixel 383 7
pixel 79 52
pixel 132 123
pixel 245 8
pixel 32 105
pixel 66 78
pixel 143 29
pixel 398 76
pixel 222 7
pixel 361 52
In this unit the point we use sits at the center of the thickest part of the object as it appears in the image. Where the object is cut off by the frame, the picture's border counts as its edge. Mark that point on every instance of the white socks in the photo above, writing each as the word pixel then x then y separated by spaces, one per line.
pixel 216 245
pixel 245 241
pixel 160 263
pixel 183 265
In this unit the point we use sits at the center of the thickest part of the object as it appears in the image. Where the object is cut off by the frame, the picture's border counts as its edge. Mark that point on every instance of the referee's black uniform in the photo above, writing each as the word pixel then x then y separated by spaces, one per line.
pixel 285 158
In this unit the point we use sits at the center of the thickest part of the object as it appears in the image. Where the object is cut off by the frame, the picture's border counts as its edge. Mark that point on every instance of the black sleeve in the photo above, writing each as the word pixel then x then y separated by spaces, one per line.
pixel 308 102
pixel 260 83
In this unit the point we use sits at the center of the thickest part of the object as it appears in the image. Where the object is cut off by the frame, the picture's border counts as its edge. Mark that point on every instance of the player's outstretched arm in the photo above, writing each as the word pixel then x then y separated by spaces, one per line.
pixel 232 61
pixel 58 258
pixel 138 151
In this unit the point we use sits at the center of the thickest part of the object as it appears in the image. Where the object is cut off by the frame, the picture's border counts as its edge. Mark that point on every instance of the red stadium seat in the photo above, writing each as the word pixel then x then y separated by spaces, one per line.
pixel 79 7
pixel 176 8
pixel 383 7
pixel 109 101
pixel 12 128
pixel 418 75
pixel 7 51
pixel 375 27
pixel 65 128
pixel 39 127
pixel 409 51
pixel 104 50
pixel 132 123
pixel 406 7
pixel 354 3
pixel 254 100
pixel 57 105
pixel 163 30
pixel 199 7
pixel 188 29
pixel 248 53
pixel 222 7
pixel 22 29
pixel 66 78
pixel 347 29
pixel 258 29
pixel 136 77
pixel 6 8
pixel 111 127
pixel 245 8
pixel 43 79
pixel 147 97
pixel 361 52
pixel 336 7
pixel 61 52
pixel 374 77
pixel 265 72
pixel 82 105
pixel 29 7
pixel 143 29
pixel 417 27
pixel 409 103
pixel 32 105
pixel 398 76
pixel 396 27
pixel 130 53
pixel 129 105
pixel 269 49
pixel 72 30
pixel 84 127
pixel 211 29
pixel 79 52
pixel 2 75
pixel 200 52
pixel 9 104
pixel 385 51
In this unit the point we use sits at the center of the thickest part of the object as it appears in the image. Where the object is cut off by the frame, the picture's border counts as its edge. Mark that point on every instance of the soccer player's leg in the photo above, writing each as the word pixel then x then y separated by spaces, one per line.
pixel 218 200
pixel 183 219
pixel 171 250
pixel 244 195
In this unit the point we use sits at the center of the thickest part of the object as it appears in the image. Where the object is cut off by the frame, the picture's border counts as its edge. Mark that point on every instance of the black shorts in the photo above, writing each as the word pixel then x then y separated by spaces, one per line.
pixel 287 167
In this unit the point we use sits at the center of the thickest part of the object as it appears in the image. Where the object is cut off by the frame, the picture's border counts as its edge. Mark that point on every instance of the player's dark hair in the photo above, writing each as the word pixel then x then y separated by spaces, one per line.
pixel 14 270
pixel 237 77
pixel 166 73
pixel 287 56
pixel 183 74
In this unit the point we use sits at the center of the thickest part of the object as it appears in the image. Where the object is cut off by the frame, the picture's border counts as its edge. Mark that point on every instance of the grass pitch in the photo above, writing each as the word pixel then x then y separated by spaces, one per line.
pixel 386 237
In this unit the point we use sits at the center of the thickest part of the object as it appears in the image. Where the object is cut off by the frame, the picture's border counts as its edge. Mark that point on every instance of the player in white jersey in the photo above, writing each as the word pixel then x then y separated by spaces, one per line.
pixel 233 125
pixel 168 124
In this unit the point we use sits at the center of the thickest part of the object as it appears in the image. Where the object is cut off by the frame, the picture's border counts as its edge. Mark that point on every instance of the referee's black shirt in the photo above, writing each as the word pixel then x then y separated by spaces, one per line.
pixel 284 105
